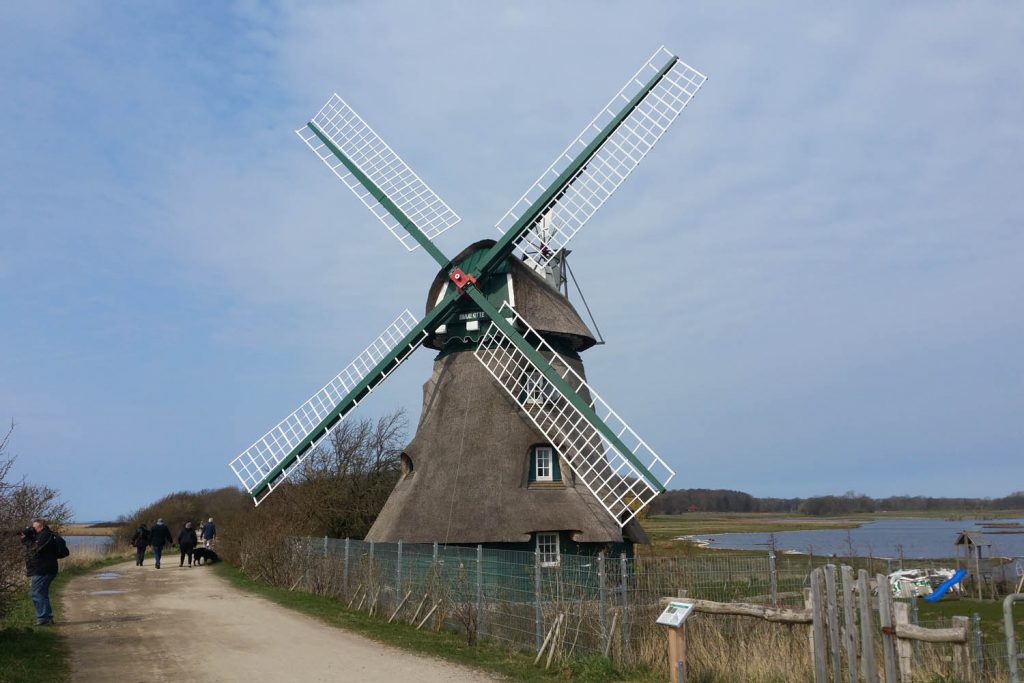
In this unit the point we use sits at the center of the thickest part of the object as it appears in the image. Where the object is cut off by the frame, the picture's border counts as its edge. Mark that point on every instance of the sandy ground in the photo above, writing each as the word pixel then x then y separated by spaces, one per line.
pixel 129 623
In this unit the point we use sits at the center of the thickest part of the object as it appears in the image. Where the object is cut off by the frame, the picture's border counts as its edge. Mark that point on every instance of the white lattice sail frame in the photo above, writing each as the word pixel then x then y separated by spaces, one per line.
pixel 254 464
pixel 382 165
pixel 610 165
pixel 616 483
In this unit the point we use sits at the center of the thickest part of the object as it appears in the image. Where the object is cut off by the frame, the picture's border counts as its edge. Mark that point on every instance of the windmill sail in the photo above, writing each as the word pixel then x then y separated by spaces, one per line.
pixel 265 465
pixel 623 482
pixel 376 174
pixel 648 103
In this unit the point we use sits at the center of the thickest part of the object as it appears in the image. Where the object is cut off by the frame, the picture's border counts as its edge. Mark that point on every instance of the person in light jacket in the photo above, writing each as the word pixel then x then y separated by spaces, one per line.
pixel 209 532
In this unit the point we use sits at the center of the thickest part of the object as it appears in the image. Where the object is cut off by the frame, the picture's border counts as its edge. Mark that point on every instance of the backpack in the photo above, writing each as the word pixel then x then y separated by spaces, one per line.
pixel 62 547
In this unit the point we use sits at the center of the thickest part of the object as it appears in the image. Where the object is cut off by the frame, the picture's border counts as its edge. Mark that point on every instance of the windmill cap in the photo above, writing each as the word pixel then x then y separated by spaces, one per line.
pixel 543 306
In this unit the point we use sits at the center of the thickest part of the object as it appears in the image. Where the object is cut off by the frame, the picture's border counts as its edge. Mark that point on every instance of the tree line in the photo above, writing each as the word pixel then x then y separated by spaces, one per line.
pixel 679 501
pixel 336 491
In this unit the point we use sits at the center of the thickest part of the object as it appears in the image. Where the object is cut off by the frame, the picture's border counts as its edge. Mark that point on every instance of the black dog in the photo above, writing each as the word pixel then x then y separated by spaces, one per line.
pixel 207 555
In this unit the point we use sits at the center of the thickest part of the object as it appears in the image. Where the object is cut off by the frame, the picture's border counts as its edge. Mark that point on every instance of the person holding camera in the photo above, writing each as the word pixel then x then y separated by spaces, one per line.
pixel 40 566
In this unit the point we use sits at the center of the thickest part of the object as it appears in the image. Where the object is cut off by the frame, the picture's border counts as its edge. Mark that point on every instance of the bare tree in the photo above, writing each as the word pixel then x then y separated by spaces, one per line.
pixel 345 482
pixel 19 504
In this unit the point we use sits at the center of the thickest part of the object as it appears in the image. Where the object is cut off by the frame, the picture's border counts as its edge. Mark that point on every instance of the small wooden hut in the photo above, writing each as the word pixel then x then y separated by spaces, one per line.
pixel 973 546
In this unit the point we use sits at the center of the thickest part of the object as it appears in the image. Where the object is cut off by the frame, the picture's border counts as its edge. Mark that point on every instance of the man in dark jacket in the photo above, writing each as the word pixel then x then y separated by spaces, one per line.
pixel 158 538
pixel 140 540
pixel 40 566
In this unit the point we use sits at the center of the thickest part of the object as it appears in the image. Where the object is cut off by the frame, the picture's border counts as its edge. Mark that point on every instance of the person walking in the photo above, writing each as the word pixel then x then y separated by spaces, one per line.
pixel 209 531
pixel 158 538
pixel 140 540
pixel 187 543
pixel 40 566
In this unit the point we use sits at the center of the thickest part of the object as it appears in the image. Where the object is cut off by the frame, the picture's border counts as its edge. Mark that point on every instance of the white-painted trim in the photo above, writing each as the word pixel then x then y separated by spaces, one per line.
pixel 558 552
pixel 550 476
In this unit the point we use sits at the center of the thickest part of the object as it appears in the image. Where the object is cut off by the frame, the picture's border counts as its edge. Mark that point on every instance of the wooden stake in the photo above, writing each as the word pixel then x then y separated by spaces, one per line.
pixel 373 605
pixel 544 645
pixel 355 595
pixel 611 632
pixel 419 607
pixel 429 614
pixel 554 640
pixel 400 606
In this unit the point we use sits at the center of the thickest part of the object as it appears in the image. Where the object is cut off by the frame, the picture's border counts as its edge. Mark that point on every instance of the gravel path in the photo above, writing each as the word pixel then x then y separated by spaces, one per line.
pixel 129 623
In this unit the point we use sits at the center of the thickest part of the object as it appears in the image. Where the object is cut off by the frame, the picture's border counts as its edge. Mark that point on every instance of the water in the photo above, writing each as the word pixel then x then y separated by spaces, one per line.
pixel 919 538
pixel 97 544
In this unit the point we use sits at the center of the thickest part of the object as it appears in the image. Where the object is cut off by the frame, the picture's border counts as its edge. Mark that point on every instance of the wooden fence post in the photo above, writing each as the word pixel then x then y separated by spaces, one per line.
pixel 817 628
pixel 833 622
pixel 904 648
pixel 962 651
pixel 867 631
pixel 887 627
pixel 850 633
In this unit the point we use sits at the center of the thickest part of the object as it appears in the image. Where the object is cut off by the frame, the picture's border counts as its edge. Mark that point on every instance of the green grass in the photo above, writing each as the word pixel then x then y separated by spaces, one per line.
pixel 34 654
pixel 990 611
pixel 444 645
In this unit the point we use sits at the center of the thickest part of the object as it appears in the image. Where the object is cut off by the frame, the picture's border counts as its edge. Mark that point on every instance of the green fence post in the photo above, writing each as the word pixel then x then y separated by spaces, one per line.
pixel 624 590
pixel 603 597
pixel 538 626
pixel 398 572
pixel 345 571
pixel 479 591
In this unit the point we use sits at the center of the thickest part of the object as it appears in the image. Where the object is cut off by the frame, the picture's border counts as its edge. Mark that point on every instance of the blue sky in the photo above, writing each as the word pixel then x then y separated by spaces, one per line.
pixel 812 284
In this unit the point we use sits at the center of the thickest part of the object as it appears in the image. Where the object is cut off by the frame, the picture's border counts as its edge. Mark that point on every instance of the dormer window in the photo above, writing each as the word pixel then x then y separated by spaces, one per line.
pixel 544 466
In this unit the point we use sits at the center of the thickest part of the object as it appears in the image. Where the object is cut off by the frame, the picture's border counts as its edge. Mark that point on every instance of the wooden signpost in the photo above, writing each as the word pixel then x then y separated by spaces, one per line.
pixel 674 618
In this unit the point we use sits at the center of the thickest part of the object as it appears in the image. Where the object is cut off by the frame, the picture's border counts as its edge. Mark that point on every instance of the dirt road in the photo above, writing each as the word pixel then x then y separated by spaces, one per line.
pixel 129 623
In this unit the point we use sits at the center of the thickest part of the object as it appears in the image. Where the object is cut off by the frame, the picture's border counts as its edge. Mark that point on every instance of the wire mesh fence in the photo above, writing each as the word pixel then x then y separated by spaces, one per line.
pixel 603 604
pixel 579 606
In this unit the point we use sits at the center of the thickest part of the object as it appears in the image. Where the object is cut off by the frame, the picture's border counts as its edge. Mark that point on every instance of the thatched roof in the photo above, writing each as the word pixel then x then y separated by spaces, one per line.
pixel 469 482
pixel 548 311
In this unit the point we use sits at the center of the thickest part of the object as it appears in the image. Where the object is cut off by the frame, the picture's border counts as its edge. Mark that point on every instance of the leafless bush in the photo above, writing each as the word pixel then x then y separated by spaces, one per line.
pixel 20 502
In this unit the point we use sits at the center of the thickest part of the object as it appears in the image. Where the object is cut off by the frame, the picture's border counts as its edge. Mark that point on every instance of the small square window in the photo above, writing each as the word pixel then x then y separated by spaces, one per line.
pixel 543 466
pixel 547 549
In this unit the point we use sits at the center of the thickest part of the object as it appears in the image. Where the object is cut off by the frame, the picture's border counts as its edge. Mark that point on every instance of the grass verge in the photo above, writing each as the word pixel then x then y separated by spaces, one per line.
pixel 444 645
pixel 33 654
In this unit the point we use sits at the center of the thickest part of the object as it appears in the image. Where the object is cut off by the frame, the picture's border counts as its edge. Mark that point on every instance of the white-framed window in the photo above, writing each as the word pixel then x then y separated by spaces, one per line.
pixel 543 463
pixel 537 389
pixel 547 549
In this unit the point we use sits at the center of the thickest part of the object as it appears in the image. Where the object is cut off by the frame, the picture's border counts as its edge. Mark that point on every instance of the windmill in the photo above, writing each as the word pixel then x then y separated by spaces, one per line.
pixel 508 342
